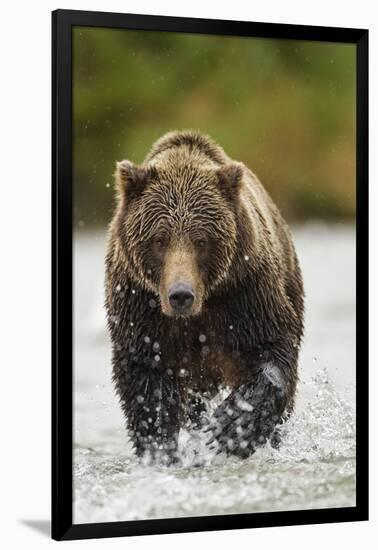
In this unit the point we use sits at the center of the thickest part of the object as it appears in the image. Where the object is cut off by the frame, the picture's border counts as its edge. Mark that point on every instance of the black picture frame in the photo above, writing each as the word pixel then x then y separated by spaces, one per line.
pixel 62 340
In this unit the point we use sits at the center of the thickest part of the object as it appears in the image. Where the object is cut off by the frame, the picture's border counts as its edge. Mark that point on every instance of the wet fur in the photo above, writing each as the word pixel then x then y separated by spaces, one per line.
pixel 251 313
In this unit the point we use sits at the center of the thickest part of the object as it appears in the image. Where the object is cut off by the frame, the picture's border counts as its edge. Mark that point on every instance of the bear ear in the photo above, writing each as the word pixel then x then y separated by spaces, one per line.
pixel 229 179
pixel 131 179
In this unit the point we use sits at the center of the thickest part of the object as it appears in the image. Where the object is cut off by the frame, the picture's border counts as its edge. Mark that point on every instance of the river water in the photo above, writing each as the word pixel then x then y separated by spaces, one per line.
pixel 315 465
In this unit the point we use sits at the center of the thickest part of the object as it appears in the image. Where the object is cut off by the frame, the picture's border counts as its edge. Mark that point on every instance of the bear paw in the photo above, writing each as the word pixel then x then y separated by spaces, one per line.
pixel 249 415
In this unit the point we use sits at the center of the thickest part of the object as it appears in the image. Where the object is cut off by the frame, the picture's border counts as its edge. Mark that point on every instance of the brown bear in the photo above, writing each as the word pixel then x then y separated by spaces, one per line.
pixel 203 292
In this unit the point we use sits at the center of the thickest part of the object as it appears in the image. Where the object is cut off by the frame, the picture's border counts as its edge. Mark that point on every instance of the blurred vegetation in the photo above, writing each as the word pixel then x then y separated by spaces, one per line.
pixel 285 108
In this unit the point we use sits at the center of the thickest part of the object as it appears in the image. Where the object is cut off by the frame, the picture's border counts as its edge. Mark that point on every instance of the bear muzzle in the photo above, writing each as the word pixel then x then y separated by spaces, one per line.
pixel 181 288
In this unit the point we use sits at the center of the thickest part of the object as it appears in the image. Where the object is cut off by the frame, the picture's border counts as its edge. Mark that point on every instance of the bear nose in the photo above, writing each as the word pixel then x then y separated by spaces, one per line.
pixel 181 296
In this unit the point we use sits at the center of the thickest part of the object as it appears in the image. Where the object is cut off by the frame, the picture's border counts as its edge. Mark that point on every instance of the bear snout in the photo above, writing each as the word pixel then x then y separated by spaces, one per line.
pixel 181 287
pixel 181 298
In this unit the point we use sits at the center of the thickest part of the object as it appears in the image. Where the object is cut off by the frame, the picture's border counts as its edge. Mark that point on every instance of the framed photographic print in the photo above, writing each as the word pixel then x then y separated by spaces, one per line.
pixel 210 296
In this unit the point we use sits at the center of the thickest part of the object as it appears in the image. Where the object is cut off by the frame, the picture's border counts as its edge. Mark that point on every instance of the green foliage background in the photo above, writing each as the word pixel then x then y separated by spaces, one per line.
pixel 285 108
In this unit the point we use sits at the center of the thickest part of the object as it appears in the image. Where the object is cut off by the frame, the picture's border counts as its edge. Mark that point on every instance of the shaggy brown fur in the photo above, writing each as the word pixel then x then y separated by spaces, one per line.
pixel 191 216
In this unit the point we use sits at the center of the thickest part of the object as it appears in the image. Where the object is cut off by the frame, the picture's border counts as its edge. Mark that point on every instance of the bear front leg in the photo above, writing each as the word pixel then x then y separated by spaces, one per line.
pixel 246 419
pixel 151 401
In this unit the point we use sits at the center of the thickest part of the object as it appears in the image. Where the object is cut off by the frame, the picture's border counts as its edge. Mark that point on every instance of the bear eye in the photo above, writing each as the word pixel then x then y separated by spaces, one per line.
pixel 201 243
pixel 160 243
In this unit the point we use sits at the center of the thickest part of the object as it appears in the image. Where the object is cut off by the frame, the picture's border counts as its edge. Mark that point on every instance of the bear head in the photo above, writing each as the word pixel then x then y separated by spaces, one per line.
pixel 177 227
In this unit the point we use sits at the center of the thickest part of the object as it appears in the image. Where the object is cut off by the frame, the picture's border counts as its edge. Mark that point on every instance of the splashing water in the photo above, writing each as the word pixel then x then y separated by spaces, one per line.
pixel 315 464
